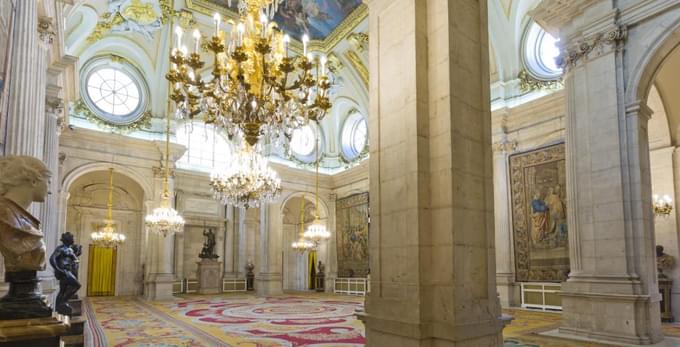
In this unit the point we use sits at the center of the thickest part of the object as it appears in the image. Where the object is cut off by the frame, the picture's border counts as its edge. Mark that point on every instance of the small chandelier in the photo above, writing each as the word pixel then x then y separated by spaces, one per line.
pixel 256 87
pixel 165 220
pixel 107 235
pixel 317 231
pixel 302 244
pixel 662 205
pixel 248 182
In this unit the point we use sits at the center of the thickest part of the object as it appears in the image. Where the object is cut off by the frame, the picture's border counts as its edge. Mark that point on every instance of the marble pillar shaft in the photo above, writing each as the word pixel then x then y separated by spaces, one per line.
pixel 432 256
pixel 505 265
pixel 612 291
pixel 26 111
pixel 268 279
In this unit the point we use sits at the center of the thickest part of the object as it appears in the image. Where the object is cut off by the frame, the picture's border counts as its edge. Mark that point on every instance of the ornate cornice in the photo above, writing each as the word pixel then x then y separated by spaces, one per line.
pixel 554 14
pixel 581 49
pixel 528 83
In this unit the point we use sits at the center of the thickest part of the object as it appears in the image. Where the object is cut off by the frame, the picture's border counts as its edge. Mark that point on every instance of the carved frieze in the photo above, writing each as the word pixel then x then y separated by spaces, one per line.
pixel 582 49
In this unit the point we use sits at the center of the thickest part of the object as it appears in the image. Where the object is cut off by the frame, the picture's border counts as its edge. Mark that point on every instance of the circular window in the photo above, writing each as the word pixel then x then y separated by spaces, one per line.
pixel 303 142
pixel 114 90
pixel 354 136
pixel 540 51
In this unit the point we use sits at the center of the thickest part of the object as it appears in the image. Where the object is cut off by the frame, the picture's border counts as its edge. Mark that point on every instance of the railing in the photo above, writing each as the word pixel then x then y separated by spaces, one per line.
pixel 351 286
pixel 233 285
pixel 191 286
pixel 542 296
pixel 178 287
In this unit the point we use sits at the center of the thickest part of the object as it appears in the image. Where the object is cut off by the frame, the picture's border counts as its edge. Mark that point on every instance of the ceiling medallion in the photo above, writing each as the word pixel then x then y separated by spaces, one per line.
pixel 257 89
pixel 248 182
pixel 107 235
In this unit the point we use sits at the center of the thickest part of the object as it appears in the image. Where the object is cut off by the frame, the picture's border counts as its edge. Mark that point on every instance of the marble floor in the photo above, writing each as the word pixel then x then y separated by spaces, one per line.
pixel 289 320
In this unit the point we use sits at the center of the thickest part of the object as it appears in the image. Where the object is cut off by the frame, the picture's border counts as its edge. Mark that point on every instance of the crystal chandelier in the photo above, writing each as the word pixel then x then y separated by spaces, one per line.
pixel 302 244
pixel 317 231
pixel 107 235
pixel 256 88
pixel 662 205
pixel 165 220
pixel 247 182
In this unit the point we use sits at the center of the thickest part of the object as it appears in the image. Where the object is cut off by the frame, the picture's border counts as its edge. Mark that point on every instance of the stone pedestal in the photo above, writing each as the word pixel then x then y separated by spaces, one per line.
pixel 269 284
pixel 209 277
pixel 35 332
pixel 76 307
pixel 250 281
pixel 159 287
pixel 24 300
pixel 74 337
pixel 665 286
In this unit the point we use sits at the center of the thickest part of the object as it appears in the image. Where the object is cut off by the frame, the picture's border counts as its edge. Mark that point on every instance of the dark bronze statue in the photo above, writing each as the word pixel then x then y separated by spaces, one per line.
pixel 65 261
pixel 208 251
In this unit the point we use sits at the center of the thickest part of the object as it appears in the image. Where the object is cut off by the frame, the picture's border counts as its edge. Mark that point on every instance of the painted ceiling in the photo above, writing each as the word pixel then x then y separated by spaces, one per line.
pixel 317 18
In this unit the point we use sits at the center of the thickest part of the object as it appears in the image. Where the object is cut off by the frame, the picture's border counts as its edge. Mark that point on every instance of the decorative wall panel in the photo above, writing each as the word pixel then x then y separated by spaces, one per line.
pixel 352 235
pixel 538 188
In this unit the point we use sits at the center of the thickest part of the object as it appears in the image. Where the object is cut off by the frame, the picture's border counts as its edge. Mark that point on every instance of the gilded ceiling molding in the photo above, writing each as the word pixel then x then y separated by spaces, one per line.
pixel 528 83
pixel 358 40
pixel 324 46
pixel 358 65
pixel 80 108
pixel 138 17
pixel 581 49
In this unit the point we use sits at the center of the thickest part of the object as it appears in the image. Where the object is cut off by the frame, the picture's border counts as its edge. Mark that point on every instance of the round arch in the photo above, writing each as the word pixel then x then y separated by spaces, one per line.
pixel 74 174
pixel 662 40
pixel 309 196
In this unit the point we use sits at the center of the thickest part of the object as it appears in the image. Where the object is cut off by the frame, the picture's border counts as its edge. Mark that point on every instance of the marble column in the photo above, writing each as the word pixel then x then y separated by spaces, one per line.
pixel 432 237
pixel 268 279
pixel 612 292
pixel 242 244
pixel 508 290
pixel 230 251
pixel 331 250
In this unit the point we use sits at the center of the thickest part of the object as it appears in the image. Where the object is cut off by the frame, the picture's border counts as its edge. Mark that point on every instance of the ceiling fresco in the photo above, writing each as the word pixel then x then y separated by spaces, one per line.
pixel 317 18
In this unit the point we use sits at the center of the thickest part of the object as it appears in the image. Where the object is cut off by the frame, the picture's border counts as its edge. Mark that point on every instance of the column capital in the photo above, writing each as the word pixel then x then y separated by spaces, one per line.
pixel 581 49
pixel 639 108
pixel 46 29
pixel 504 146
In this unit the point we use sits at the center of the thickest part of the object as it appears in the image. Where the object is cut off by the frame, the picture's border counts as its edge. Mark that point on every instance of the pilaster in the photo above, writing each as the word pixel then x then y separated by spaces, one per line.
pixel 508 290
pixel 268 280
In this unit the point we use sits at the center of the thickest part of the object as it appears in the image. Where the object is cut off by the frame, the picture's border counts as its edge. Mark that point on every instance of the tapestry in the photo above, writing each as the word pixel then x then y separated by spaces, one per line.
pixel 352 235
pixel 539 215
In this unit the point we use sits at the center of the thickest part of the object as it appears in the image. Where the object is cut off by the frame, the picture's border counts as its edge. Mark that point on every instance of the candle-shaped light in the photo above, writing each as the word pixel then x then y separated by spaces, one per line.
pixel 217 20
pixel 240 28
pixel 179 32
pixel 263 21
pixel 184 50
pixel 322 61
pixel 286 43
pixel 197 40
pixel 305 41
pixel 254 104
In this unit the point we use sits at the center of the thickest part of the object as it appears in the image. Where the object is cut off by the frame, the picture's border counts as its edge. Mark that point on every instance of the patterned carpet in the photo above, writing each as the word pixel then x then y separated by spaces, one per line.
pixel 315 320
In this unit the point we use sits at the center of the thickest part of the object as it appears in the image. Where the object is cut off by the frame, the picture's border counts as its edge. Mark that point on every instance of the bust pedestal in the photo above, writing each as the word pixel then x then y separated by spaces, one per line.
pixel 209 276
pixel 34 332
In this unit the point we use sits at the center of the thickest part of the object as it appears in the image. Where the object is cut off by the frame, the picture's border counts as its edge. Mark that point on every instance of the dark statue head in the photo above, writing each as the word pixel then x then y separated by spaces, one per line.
pixel 67 238
pixel 659 250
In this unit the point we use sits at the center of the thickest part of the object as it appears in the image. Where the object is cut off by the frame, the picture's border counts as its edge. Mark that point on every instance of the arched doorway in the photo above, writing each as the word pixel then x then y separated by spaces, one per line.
pixel 297 213
pixel 86 210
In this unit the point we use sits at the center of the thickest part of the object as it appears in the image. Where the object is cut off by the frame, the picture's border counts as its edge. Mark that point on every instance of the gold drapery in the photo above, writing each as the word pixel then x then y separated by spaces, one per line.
pixel 311 263
pixel 101 275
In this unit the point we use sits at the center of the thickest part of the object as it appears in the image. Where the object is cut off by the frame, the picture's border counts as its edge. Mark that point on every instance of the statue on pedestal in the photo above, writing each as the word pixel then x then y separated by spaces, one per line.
pixel 250 276
pixel 23 180
pixel 65 261
pixel 208 251
pixel 663 261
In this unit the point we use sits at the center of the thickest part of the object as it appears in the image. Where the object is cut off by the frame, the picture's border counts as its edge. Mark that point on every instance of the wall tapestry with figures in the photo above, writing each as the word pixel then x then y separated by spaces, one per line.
pixel 352 235
pixel 538 188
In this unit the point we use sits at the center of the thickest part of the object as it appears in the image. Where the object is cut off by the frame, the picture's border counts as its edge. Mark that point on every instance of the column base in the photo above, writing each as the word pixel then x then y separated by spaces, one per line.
pixel 509 291
pixel 159 287
pixel 608 309
pixel 268 284
pixel 384 332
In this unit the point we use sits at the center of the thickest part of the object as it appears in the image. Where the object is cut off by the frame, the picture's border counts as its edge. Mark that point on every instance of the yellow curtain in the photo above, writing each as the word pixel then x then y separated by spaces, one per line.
pixel 312 269
pixel 101 275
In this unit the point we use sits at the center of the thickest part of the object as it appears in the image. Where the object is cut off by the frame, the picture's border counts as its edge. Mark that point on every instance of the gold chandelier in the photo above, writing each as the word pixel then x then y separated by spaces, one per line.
pixel 165 220
pixel 107 235
pixel 257 89
pixel 662 205
pixel 317 231
pixel 302 244
pixel 247 182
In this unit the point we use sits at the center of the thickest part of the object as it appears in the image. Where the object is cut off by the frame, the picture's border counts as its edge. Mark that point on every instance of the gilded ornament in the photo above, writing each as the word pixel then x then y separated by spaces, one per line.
pixel 358 65
pixel 528 83
pixel 80 108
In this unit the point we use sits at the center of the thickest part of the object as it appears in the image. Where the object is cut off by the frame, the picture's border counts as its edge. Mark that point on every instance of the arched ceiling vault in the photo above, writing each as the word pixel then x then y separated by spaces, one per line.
pixel 668 85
